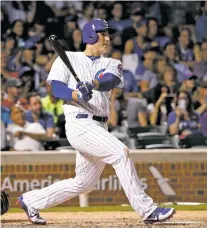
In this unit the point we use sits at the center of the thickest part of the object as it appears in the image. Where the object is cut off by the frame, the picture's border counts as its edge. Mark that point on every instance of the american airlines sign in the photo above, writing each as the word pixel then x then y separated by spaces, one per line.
pixel 110 183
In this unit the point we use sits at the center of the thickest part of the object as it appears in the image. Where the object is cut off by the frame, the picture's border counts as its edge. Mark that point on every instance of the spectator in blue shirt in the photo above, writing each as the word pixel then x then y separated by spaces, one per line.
pixel 185 45
pixel 117 20
pixel 36 114
pixel 147 77
pixel 172 58
pixel 5 116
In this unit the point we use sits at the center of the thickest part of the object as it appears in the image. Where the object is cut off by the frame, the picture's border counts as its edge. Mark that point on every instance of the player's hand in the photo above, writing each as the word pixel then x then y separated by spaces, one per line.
pixel 84 87
pixel 84 91
pixel 84 97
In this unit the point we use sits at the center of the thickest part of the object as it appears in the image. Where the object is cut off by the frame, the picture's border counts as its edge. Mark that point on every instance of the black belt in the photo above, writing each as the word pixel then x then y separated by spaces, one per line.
pixel 97 118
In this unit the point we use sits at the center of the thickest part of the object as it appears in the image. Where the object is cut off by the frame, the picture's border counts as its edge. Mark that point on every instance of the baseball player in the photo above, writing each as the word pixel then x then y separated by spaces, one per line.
pixel 86 110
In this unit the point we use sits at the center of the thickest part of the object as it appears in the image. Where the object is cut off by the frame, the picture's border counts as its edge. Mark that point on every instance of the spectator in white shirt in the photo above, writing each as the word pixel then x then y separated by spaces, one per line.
pixel 25 136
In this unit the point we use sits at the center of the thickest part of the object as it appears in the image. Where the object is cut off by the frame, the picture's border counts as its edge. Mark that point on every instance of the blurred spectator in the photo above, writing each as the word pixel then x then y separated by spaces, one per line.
pixel 172 58
pixel 117 21
pixel 160 97
pixel 184 47
pixel 138 44
pixel 39 27
pixel 17 31
pixel 153 10
pixel 137 14
pixel 170 52
pixel 36 9
pixel 201 23
pixel 200 69
pixel 186 50
pixel 28 56
pixel 41 57
pixel 200 96
pixel 117 102
pixel 160 63
pixel 28 60
pixel 153 32
pixel 200 104
pixel 24 135
pixel 15 11
pixel 36 114
pixel 87 14
pixel 35 34
pixel 145 72
pixel 188 84
pixel 101 12
pixel 26 74
pixel 70 26
pixel 60 8
pixel 52 104
pixel 137 112
pixel 5 74
pixel 130 84
pixel 76 43
pixel 12 89
pixel 9 45
pixel 183 120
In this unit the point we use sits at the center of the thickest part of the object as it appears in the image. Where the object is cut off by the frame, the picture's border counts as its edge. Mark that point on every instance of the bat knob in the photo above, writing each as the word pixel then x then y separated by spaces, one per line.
pixel 53 38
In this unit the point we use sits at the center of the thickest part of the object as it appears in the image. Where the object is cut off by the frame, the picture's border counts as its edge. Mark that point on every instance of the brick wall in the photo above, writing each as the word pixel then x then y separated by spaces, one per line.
pixel 188 180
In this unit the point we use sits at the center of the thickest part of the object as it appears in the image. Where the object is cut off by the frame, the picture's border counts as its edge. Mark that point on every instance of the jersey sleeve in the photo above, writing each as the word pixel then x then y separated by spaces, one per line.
pixel 59 72
pixel 115 67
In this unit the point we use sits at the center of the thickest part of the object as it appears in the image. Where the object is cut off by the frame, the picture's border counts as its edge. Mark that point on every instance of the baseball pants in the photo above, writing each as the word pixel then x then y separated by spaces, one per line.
pixel 96 147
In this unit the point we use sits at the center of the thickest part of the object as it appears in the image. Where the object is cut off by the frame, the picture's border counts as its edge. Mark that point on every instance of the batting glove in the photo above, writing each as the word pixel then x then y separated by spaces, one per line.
pixel 84 91
pixel 84 87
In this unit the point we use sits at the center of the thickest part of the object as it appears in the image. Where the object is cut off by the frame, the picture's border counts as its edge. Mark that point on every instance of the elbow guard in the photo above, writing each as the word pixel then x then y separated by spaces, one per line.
pixel 108 82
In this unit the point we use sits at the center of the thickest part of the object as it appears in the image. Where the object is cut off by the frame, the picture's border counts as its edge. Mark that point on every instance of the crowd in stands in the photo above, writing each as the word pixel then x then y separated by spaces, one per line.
pixel 168 86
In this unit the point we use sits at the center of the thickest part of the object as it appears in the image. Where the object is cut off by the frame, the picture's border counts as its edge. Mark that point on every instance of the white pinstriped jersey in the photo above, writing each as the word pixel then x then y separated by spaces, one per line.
pixel 86 70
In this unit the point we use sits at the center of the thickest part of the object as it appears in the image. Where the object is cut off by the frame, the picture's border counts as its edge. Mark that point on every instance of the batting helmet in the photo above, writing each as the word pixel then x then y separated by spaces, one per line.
pixel 91 29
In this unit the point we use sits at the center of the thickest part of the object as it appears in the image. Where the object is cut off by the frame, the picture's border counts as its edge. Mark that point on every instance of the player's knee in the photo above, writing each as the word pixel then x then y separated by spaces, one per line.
pixel 83 186
pixel 123 157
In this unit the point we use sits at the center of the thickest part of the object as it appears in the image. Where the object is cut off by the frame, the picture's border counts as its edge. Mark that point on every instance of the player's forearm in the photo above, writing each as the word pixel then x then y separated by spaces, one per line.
pixel 61 91
pixel 106 83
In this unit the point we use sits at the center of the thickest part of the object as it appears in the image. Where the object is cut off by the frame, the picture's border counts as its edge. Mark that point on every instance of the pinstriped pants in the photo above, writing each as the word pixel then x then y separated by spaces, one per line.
pixel 96 147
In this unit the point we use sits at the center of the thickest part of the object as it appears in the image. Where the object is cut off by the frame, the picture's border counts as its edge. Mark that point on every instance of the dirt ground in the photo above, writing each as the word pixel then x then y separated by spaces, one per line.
pixel 184 219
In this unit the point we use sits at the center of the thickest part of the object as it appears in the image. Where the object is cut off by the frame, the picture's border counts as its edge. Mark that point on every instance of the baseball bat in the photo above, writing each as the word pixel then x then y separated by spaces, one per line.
pixel 61 53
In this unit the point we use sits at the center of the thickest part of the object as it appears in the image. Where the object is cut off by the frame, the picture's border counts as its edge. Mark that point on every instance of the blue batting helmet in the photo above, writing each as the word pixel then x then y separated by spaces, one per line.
pixel 91 29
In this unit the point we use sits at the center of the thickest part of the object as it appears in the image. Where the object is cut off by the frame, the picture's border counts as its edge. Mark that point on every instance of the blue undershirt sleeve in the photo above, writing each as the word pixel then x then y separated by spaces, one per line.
pixel 61 91
pixel 108 82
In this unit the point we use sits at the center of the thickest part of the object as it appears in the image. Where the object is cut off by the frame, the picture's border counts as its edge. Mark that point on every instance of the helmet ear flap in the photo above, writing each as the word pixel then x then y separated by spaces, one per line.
pixel 93 37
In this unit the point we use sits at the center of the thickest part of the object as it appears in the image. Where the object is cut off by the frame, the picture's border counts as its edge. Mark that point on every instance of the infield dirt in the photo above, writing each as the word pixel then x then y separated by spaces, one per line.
pixel 182 219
